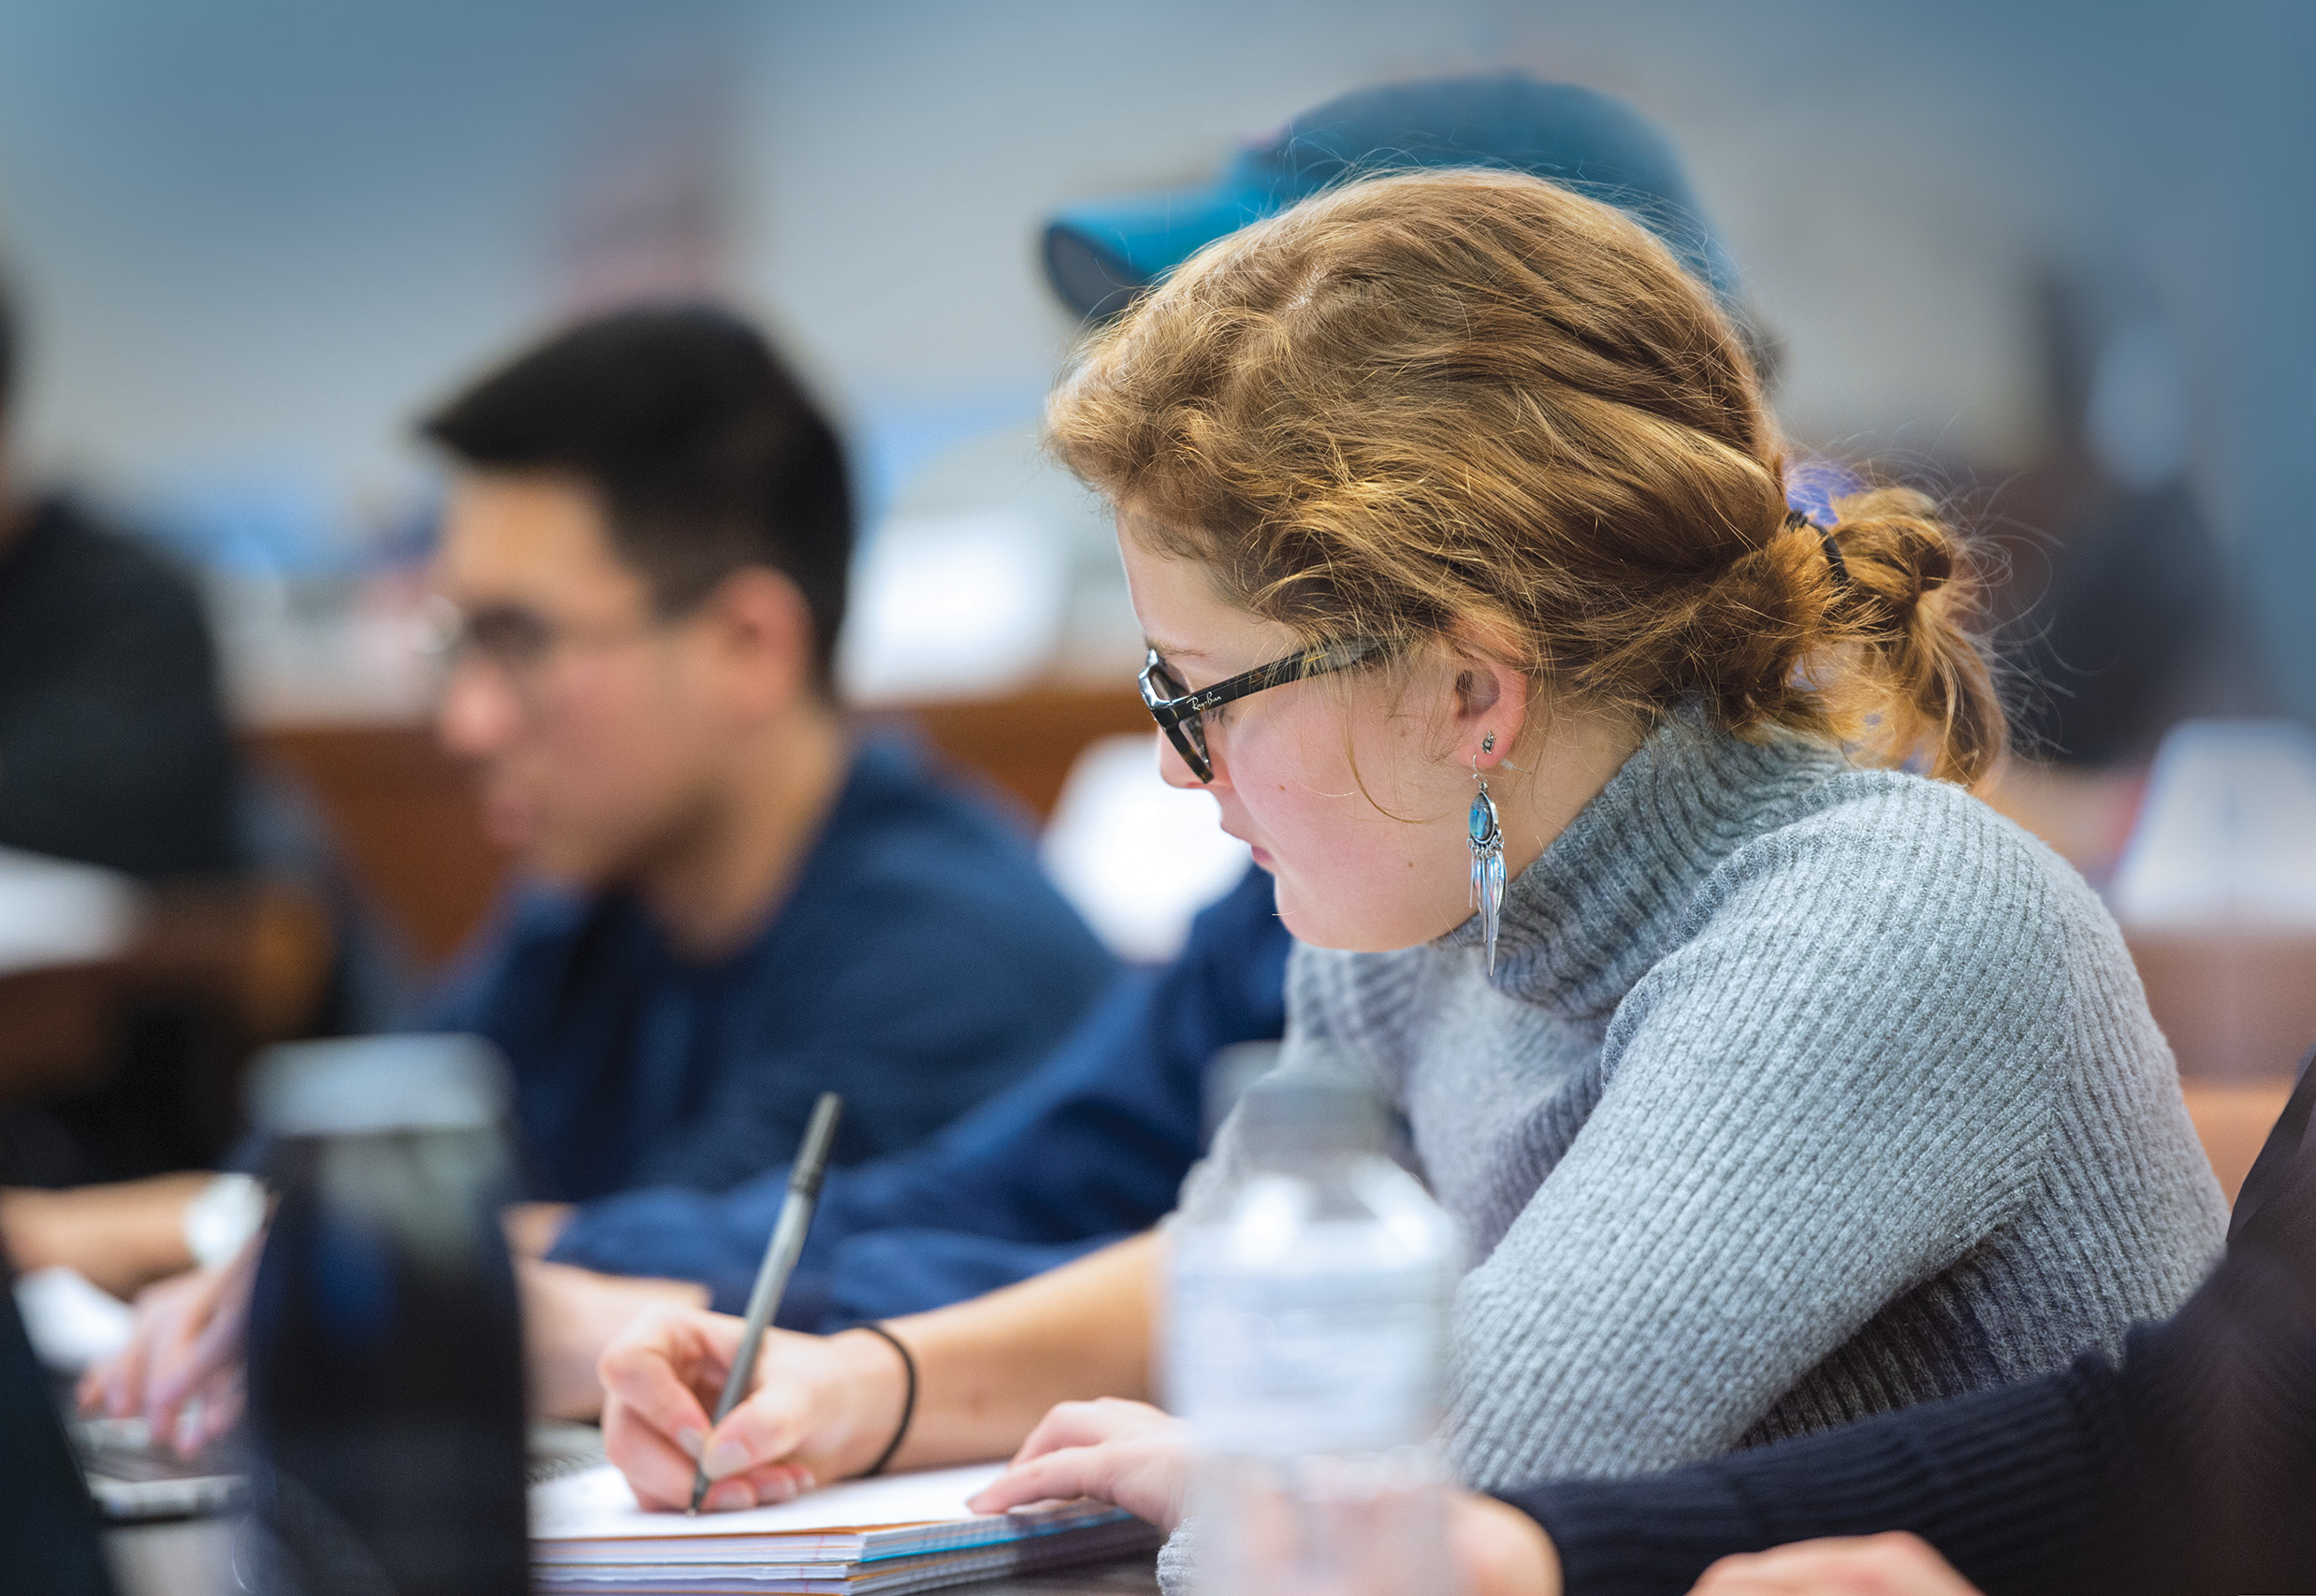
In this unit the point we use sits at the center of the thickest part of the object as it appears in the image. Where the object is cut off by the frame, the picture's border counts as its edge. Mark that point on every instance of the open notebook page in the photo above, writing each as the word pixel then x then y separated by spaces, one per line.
pixel 598 1505
pixel 884 1537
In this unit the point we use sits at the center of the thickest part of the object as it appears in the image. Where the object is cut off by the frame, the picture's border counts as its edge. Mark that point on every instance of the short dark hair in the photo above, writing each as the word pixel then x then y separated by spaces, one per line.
pixel 708 452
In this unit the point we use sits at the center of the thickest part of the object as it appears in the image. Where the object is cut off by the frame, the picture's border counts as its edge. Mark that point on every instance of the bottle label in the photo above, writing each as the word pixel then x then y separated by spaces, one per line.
pixel 1267 1363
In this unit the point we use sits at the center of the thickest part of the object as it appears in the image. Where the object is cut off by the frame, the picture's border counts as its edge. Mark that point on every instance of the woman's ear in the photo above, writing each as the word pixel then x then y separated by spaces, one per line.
pixel 1491 709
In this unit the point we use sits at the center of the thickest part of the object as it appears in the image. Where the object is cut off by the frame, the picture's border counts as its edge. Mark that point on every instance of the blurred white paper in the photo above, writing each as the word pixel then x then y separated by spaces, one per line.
pixel 55 912
pixel 1136 857
pixel 2227 834
pixel 70 1322
pixel 952 606
pixel 599 1505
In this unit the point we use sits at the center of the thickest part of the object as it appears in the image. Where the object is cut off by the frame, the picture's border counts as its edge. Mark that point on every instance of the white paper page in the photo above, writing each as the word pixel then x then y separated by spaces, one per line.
pixel 598 1505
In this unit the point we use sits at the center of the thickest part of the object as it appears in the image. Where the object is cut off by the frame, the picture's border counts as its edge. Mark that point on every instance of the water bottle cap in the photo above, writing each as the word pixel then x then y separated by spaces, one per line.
pixel 367 1084
pixel 1303 1115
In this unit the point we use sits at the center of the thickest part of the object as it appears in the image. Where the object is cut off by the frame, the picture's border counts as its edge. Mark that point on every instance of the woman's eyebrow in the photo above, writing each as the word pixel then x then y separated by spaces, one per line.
pixel 1170 651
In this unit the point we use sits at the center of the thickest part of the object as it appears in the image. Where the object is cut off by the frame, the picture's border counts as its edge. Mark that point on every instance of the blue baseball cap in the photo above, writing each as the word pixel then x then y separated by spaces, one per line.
pixel 1101 253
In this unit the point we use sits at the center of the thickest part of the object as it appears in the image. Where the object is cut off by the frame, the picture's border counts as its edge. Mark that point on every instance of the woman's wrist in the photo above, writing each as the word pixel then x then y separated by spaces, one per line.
pixel 875 1371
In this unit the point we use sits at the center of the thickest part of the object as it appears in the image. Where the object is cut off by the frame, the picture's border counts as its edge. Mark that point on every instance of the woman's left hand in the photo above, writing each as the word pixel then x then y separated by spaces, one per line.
pixel 1128 1453
pixel 1877 1565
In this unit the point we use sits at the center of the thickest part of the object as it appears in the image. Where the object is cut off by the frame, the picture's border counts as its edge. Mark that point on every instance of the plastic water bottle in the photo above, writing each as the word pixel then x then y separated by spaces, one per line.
pixel 1306 1343
pixel 385 1373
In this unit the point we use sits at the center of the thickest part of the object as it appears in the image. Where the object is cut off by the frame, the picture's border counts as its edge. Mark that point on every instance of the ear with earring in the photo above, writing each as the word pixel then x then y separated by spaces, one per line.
pixel 1487 838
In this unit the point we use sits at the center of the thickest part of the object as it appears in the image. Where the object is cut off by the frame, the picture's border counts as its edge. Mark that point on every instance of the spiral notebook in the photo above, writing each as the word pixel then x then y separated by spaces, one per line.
pixel 884 1536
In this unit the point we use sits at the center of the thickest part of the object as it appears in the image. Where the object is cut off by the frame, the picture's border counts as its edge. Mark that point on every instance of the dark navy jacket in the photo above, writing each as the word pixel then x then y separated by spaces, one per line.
pixel 1089 1148
pixel 920 964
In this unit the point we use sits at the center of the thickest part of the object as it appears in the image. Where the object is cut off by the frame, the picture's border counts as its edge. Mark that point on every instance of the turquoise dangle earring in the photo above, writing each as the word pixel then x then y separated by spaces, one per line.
pixel 1487 838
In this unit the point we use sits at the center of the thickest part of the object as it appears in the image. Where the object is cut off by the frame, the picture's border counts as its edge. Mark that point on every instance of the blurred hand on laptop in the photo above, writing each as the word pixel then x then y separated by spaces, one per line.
pixel 181 1369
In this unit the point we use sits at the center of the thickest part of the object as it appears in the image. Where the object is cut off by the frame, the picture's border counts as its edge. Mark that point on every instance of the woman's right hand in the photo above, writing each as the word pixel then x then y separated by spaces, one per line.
pixel 823 1409
pixel 1128 1454
pixel 186 1342
pixel 1140 1457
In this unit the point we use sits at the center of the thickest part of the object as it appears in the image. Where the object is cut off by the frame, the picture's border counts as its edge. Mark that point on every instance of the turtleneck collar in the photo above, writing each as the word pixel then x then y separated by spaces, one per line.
pixel 1601 904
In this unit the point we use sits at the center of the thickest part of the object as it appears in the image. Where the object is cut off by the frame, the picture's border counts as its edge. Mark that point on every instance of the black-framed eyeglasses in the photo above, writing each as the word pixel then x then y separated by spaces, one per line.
pixel 1179 711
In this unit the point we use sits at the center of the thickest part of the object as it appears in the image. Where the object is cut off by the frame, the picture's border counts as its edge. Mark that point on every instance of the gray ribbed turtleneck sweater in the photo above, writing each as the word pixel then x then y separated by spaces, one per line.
pixel 1799 1091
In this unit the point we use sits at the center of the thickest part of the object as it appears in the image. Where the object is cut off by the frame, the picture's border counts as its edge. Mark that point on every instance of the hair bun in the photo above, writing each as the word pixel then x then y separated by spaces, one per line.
pixel 1936 566
pixel 1909 601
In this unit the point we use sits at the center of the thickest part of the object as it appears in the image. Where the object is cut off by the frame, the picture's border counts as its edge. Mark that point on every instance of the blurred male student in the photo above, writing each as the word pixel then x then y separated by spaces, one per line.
pixel 735 903
pixel 730 903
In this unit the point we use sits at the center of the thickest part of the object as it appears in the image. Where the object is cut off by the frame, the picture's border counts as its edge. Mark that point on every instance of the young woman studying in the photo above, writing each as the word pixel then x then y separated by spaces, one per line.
pixel 2181 1471
pixel 1773 1086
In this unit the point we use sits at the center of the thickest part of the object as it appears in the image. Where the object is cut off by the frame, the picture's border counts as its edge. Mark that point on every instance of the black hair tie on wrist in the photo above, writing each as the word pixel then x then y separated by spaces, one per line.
pixel 909 1402
pixel 1801 520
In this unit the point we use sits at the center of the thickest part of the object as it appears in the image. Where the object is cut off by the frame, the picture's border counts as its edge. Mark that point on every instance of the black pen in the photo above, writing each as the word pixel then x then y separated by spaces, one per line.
pixel 780 1262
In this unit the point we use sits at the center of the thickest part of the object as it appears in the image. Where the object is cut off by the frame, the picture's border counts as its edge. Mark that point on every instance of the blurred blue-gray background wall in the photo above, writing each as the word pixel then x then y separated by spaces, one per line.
pixel 252 237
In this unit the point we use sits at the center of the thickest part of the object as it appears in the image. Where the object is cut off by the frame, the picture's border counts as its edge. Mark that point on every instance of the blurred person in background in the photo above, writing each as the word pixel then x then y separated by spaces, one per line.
pixel 114 751
pixel 735 902
pixel 732 903
pixel 1094 1146
pixel 2137 624
pixel 113 744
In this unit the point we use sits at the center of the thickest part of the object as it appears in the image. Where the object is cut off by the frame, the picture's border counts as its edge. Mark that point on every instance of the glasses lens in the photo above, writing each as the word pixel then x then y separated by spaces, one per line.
pixel 1161 683
pixel 1191 737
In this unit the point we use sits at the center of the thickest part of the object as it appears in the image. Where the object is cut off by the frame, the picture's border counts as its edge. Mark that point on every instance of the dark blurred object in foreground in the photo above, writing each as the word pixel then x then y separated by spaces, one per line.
pixel 48 1525
pixel 385 1374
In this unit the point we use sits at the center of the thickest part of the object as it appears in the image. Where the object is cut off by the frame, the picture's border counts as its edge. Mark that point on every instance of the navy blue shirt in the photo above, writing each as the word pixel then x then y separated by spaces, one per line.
pixel 1091 1148
pixel 921 963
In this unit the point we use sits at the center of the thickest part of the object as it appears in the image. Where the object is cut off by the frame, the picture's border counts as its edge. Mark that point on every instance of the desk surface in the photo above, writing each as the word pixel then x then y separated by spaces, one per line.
pixel 194 1558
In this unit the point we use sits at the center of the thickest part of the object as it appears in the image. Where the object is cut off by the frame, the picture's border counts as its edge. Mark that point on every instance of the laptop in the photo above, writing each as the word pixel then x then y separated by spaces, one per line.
pixel 133 1481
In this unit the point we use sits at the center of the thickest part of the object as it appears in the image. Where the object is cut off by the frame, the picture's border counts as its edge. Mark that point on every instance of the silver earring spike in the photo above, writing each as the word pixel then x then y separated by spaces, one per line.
pixel 1487 839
